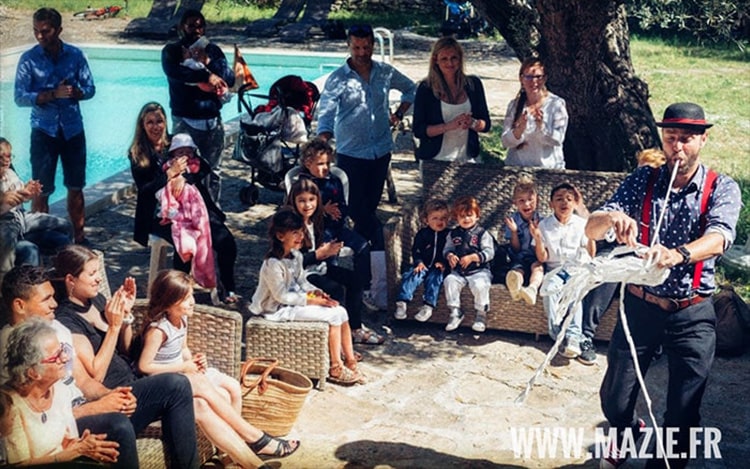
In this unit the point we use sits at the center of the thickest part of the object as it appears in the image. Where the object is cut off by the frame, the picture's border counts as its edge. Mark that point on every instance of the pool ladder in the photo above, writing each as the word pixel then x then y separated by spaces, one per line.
pixel 383 34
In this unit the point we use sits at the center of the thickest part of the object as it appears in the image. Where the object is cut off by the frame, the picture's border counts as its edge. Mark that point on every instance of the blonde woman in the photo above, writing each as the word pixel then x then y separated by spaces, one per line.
pixel 450 107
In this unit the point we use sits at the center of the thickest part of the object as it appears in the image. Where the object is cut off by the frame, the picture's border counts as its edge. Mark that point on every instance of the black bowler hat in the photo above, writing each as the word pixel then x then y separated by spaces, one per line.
pixel 684 116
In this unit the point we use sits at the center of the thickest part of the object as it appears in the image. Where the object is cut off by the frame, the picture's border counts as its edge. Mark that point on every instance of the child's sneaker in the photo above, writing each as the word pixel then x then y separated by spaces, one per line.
pixel 455 320
pixel 400 310
pixel 425 313
pixel 570 348
pixel 514 282
pixel 528 294
pixel 480 322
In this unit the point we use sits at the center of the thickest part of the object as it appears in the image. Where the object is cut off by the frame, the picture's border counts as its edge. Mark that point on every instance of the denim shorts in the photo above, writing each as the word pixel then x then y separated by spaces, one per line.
pixel 44 152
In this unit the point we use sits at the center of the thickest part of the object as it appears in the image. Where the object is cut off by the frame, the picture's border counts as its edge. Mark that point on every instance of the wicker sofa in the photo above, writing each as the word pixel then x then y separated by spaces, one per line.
pixel 492 185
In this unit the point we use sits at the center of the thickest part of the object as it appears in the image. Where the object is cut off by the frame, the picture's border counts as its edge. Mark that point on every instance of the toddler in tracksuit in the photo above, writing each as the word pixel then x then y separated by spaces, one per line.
pixel 429 266
pixel 469 248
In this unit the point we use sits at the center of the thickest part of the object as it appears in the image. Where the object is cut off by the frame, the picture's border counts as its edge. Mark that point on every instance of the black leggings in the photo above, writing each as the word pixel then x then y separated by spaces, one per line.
pixel 223 244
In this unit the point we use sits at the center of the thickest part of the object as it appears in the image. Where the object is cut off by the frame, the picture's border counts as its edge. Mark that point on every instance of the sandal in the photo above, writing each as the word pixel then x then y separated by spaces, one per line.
pixel 283 447
pixel 231 298
pixel 366 337
pixel 357 357
pixel 345 377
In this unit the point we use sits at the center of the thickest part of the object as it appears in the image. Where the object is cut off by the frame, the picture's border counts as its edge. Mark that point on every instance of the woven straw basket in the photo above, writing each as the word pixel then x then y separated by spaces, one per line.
pixel 272 396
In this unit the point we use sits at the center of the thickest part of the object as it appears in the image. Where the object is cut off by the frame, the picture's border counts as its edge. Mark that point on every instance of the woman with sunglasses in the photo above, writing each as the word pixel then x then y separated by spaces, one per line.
pixel 535 122
pixel 43 430
pixel 450 107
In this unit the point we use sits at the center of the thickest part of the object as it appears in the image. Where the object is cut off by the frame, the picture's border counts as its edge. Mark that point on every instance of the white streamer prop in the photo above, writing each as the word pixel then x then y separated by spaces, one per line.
pixel 619 266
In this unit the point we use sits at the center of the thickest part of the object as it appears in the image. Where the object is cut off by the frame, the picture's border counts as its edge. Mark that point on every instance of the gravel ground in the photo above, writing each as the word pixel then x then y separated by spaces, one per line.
pixel 433 399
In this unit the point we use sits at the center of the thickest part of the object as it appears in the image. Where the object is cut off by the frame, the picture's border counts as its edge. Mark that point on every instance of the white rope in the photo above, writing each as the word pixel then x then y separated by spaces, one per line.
pixel 605 269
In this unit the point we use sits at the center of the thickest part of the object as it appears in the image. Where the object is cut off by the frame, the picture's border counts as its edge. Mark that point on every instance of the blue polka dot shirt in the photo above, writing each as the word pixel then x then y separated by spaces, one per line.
pixel 681 223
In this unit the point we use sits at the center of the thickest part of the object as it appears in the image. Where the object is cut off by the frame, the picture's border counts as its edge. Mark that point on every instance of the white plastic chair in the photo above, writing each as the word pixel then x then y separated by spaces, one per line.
pixel 292 175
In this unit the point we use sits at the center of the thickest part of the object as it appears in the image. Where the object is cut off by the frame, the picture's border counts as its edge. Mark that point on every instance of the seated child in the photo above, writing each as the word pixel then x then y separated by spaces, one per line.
pixel 316 160
pixel 428 262
pixel 284 294
pixel 558 238
pixel 18 229
pixel 469 248
pixel 165 350
pixel 523 258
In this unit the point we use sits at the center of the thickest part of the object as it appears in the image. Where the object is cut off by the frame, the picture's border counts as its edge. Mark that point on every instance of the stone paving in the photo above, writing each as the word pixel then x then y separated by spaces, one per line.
pixel 436 399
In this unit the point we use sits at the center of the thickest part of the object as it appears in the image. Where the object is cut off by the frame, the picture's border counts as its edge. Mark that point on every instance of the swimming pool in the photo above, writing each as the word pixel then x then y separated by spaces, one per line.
pixel 126 78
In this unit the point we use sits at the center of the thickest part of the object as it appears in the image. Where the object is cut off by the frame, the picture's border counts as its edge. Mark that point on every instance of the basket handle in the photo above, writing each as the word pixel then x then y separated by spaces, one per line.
pixel 262 382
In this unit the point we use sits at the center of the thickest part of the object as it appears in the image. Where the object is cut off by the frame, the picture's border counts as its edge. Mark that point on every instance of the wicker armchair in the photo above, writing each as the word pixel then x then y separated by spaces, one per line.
pixel 215 332
pixel 493 187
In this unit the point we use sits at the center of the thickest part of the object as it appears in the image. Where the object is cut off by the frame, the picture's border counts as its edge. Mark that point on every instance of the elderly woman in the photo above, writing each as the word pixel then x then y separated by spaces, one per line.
pixel 450 107
pixel 43 430
pixel 535 122
pixel 148 153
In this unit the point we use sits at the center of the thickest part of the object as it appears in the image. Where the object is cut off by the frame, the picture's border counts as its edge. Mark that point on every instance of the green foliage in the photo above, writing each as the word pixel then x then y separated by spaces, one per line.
pixel 706 21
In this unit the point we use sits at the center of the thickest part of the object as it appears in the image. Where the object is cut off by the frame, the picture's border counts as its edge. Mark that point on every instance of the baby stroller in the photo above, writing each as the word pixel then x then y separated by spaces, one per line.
pixel 270 134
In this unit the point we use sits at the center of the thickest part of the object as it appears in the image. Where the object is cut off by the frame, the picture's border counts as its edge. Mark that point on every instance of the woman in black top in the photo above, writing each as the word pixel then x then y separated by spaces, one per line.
pixel 148 152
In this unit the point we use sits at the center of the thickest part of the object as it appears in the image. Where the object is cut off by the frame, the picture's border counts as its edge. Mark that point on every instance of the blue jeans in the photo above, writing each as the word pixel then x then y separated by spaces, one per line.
pixel 168 397
pixel 574 328
pixel 118 428
pixel 27 253
pixel 410 280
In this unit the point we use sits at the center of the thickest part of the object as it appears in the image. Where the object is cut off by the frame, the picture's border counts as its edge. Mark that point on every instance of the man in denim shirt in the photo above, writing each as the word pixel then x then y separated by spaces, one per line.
pixel 51 78
pixel 678 314
pixel 354 108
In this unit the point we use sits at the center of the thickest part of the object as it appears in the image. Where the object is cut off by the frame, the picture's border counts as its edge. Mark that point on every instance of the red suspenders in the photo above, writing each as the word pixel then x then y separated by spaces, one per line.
pixel 646 214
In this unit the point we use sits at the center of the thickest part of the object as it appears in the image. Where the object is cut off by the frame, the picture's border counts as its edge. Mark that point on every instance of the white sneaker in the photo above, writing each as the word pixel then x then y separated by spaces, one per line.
pixel 528 294
pixel 454 322
pixel 570 348
pixel 369 301
pixel 425 313
pixel 480 322
pixel 400 310
pixel 514 282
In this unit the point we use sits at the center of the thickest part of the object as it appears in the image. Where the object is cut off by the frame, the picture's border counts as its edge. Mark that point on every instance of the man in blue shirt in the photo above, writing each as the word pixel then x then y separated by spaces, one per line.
pixel 678 315
pixel 51 78
pixel 354 108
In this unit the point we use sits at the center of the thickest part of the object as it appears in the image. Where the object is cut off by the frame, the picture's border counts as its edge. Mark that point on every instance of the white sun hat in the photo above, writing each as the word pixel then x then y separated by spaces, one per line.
pixel 180 141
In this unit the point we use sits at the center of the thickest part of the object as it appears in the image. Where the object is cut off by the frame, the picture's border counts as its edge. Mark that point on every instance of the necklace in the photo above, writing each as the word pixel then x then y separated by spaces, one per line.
pixel 36 408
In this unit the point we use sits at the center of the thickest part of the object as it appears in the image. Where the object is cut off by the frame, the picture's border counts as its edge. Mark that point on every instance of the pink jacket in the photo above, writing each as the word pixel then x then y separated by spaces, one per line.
pixel 191 231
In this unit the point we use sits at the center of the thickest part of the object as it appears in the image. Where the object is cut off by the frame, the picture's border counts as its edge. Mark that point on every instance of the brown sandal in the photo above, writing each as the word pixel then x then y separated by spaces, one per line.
pixel 344 376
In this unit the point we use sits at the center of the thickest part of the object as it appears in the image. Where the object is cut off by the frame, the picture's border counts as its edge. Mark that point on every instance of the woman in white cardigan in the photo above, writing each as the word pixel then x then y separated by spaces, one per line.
pixel 535 122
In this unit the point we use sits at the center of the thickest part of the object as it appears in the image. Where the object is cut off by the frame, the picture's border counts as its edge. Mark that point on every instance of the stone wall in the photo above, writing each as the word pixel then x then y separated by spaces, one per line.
pixel 411 6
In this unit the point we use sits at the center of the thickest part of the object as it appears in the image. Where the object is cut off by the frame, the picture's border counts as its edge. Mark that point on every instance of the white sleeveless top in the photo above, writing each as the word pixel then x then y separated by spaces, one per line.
pixel 171 350
pixel 454 141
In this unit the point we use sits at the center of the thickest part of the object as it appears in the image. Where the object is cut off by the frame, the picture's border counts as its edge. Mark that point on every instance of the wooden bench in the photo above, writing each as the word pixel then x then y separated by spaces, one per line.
pixel 493 186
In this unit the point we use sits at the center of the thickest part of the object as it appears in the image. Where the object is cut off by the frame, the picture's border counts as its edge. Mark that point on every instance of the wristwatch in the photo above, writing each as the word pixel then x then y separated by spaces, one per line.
pixel 685 254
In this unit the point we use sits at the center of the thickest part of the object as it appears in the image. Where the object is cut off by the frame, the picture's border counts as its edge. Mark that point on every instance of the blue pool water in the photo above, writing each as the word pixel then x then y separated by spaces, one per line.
pixel 125 80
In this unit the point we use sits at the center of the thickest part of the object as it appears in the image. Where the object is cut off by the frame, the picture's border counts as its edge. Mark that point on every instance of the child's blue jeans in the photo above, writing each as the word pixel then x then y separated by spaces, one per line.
pixel 410 280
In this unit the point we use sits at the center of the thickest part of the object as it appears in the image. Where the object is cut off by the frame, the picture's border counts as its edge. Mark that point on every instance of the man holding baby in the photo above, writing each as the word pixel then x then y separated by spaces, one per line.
pixel 199 77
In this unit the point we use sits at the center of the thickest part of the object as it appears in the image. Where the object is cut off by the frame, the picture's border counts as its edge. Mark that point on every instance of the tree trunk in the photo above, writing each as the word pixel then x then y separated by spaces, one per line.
pixel 586 50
